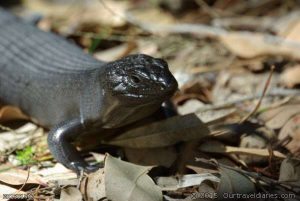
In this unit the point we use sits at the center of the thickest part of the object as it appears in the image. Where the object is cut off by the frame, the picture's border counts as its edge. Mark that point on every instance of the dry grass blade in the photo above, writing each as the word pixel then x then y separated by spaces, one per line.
pixel 261 98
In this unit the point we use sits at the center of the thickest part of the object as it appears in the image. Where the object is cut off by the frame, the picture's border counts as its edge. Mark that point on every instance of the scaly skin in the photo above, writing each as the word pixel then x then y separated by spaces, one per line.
pixel 70 92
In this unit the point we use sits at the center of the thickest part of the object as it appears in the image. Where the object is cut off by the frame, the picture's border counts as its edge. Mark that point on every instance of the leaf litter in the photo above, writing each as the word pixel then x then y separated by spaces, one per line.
pixel 224 142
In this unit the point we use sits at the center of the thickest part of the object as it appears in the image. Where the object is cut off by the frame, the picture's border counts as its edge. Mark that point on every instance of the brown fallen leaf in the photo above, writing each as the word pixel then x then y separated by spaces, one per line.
pixel 276 118
pixel 115 53
pixel 70 193
pixel 128 182
pixel 250 45
pixel 216 115
pixel 163 133
pixel 291 76
pixel 121 181
pixel 93 186
pixel 152 15
pixel 244 44
pixel 253 141
pixel 290 26
pixel 162 156
pixel 79 11
pixel 8 113
pixel 292 129
pixel 255 65
pixel 270 113
pixel 190 106
pixel 194 90
pixel 57 173
pixel 18 177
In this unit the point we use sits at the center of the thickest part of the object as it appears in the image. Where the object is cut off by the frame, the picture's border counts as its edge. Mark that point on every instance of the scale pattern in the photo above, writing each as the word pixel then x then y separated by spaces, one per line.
pixel 42 72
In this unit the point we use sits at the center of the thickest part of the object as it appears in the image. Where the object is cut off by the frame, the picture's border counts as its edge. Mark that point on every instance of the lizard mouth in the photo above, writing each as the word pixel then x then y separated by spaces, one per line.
pixel 150 95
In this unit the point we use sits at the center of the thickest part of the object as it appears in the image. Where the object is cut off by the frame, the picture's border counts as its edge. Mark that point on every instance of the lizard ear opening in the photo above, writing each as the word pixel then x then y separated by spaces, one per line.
pixel 135 79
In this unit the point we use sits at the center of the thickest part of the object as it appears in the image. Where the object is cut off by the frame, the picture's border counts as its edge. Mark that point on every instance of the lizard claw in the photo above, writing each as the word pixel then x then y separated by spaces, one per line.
pixel 80 167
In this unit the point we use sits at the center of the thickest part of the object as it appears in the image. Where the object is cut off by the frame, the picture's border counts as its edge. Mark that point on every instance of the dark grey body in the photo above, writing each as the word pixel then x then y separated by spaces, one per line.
pixel 70 92
pixel 41 73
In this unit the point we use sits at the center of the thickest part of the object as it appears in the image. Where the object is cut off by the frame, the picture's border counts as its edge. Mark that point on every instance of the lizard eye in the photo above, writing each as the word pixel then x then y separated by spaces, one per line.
pixel 135 79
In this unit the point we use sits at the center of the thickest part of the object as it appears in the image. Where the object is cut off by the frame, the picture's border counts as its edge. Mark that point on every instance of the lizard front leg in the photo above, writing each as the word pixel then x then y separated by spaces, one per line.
pixel 60 144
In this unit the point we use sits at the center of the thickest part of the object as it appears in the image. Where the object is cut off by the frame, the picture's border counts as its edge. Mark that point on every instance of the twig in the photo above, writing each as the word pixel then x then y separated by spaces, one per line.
pixel 250 6
pixel 259 178
pixel 261 98
pixel 273 92
pixel 251 23
pixel 28 173
pixel 200 30
pixel 207 9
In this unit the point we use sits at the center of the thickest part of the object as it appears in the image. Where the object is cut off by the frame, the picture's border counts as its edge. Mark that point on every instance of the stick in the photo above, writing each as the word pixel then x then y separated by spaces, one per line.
pixel 261 98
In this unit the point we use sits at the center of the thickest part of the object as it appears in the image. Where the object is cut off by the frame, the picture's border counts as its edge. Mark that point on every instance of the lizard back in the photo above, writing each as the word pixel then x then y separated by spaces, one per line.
pixel 41 72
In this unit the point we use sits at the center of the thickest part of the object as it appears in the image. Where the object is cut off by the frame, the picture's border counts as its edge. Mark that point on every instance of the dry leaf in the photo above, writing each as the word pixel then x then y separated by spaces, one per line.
pixel 291 76
pixel 116 52
pixel 290 172
pixel 8 113
pixel 271 113
pixel 190 106
pixel 287 25
pixel 246 45
pixel 18 177
pixel 201 170
pixel 249 45
pixel 20 137
pixel 70 193
pixel 196 90
pixel 174 183
pixel 162 156
pixel 93 186
pixel 4 189
pixel 163 133
pixel 280 115
pixel 153 15
pixel 98 157
pixel 294 32
pixel 292 129
pixel 213 116
pixel 147 47
pixel 57 173
pixel 128 182
pixel 253 141
pixel 234 182
pixel 255 65
pixel 122 181
pixel 92 11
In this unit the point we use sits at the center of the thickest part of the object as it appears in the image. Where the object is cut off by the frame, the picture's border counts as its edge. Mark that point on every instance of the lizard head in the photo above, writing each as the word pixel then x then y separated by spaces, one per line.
pixel 140 79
